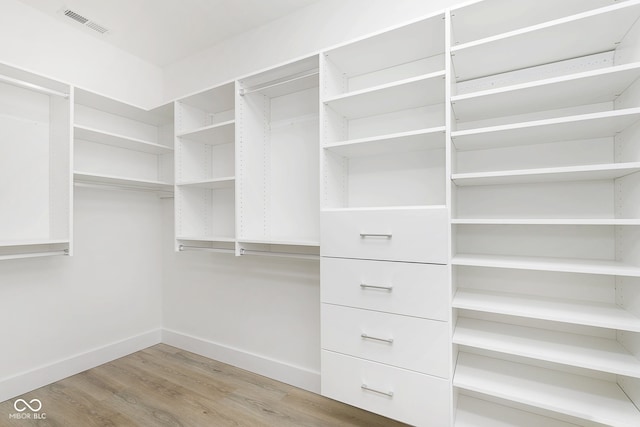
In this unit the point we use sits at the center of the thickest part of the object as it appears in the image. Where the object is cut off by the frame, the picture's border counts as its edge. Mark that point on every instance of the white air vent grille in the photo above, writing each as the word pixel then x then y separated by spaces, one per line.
pixel 85 21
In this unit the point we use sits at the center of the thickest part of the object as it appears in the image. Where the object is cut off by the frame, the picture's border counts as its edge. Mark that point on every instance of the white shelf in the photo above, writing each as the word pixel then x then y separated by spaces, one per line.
pixel 583 351
pixel 576 312
pixel 473 412
pixel 279 242
pixel 219 133
pixel 225 182
pixel 568 265
pixel 121 141
pixel 141 184
pixel 224 239
pixel 585 88
pixel 544 221
pixel 559 174
pixel 570 37
pixel 423 139
pixel 584 126
pixel 385 208
pixel 574 395
pixel 32 242
pixel 415 92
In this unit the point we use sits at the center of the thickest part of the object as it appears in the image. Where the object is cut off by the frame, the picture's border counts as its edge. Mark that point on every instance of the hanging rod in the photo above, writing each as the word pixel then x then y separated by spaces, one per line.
pixel 27 85
pixel 275 83
pixel 34 254
pixel 279 254
pixel 121 187
pixel 182 248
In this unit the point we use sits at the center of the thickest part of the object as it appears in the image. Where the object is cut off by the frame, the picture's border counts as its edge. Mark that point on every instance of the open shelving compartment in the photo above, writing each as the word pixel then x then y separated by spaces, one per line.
pixel 278 177
pixel 205 170
pixel 35 165
pixel 120 145
pixel 546 212
pixel 383 119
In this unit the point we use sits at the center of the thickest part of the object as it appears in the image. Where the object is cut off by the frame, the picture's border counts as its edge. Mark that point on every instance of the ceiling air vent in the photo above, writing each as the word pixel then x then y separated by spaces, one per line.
pixel 85 21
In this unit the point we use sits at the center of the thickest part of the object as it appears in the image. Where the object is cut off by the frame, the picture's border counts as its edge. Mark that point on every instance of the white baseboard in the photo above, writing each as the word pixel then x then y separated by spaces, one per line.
pixel 39 377
pixel 278 370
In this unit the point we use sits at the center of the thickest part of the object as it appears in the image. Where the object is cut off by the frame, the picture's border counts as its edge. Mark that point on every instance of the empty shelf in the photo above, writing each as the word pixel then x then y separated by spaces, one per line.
pixel 584 351
pixel 140 184
pixel 584 126
pixel 424 139
pixel 120 141
pixel 554 309
pixel 219 133
pixel 590 87
pixel 568 265
pixel 415 92
pixel 578 35
pixel 225 182
pixel 559 174
pixel 574 395
pixel 544 221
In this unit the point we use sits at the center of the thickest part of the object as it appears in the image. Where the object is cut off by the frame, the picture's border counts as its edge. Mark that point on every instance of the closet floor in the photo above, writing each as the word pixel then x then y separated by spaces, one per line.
pixel 166 386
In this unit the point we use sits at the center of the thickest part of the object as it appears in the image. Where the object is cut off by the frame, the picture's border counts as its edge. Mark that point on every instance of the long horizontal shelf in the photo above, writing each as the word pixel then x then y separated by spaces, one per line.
pixel 218 133
pixel 120 141
pixel 414 92
pixel 576 312
pixel 584 126
pixel 279 242
pixel 544 221
pixel 567 265
pixel 590 87
pixel 579 396
pixel 32 242
pixel 474 412
pixel 224 182
pixel 118 181
pixel 423 139
pixel 559 174
pixel 569 37
pixel 223 239
pixel 600 354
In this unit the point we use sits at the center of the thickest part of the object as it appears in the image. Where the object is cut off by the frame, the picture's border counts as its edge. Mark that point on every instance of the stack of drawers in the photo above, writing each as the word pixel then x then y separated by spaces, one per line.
pixel 385 312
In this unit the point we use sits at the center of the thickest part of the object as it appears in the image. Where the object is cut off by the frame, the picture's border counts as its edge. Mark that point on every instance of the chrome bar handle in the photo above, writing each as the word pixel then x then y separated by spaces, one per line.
pixel 366 286
pixel 368 337
pixel 384 235
pixel 384 393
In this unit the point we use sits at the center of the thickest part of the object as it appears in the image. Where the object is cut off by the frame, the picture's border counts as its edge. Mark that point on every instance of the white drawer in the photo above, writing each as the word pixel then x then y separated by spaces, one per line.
pixel 420 290
pixel 406 396
pixel 415 235
pixel 406 342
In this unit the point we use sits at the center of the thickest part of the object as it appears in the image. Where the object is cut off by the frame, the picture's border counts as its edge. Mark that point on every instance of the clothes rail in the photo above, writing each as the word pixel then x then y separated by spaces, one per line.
pixel 183 248
pixel 34 254
pixel 275 83
pixel 279 254
pixel 31 86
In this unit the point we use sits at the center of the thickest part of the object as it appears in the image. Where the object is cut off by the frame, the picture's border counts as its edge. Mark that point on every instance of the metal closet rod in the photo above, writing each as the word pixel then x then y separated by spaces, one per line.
pixel 27 85
pixel 279 254
pixel 35 254
pixel 275 83
pixel 182 248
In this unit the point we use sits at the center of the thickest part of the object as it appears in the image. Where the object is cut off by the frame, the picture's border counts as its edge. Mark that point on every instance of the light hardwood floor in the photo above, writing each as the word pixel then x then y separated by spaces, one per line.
pixel 166 386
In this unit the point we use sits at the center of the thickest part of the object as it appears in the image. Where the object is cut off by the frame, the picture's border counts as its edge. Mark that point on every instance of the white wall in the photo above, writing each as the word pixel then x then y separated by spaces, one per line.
pixel 61 311
pixel 305 31
pixel 33 41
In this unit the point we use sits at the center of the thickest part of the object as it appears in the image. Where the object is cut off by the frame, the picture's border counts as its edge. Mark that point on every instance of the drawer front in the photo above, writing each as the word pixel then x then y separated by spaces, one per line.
pixel 406 342
pixel 420 290
pixel 415 235
pixel 406 396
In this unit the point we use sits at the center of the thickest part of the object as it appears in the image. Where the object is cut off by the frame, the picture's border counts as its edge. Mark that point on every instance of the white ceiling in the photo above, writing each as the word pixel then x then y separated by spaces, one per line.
pixel 163 31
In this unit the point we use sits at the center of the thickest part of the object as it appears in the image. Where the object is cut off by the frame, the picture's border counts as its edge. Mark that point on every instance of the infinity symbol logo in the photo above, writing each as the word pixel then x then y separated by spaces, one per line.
pixel 21 405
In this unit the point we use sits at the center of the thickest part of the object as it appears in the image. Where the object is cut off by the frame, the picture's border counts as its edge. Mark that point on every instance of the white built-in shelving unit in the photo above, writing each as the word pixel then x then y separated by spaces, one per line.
pixel 545 177
pixel 35 165
pixel 120 145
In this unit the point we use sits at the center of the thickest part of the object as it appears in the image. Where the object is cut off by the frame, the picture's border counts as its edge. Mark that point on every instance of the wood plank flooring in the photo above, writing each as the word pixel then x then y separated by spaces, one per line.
pixel 166 386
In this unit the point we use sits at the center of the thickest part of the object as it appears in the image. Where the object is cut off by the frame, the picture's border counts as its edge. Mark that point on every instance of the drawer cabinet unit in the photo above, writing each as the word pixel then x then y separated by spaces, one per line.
pixel 397 393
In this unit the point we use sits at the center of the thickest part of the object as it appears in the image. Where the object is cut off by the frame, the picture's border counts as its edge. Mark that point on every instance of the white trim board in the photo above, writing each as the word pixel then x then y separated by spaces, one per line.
pixel 296 376
pixel 28 381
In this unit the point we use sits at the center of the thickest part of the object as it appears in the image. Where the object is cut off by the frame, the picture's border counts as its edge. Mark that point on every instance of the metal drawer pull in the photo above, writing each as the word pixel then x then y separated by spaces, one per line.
pixel 366 286
pixel 386 236
pixel 384 393
pixel 367 337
